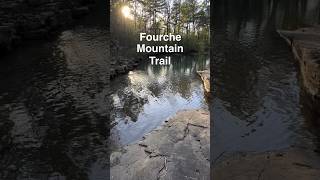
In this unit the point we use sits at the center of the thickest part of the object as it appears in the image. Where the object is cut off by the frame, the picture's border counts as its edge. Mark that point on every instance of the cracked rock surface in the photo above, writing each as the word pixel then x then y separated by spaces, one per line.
pixel 177 150
pixel 291 164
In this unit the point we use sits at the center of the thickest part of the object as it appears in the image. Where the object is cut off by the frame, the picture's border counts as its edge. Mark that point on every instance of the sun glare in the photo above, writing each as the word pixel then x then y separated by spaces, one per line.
pixel 126 12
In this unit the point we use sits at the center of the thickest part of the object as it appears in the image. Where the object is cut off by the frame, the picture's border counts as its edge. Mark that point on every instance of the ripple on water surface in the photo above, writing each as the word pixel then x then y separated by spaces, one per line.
pixel 257 102
pixel 54 116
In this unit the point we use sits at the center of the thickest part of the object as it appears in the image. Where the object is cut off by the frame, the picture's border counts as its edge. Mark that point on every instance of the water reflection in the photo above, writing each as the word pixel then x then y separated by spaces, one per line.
pixel 147 96
pixel 257 92
pixel 53 108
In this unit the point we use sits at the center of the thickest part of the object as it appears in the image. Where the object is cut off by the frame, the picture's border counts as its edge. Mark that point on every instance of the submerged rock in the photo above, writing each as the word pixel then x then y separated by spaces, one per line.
pixel 177 150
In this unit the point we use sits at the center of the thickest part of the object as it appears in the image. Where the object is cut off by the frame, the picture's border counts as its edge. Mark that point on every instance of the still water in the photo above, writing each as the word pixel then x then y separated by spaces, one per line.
pixel 258 103
pixel 149 95
pixel 54 109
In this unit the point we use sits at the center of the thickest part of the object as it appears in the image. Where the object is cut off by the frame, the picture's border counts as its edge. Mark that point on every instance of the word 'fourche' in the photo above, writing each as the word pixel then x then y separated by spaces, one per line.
pixel 143 48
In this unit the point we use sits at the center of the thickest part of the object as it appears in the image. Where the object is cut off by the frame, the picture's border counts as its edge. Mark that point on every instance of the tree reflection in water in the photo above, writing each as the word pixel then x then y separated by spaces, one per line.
pixel 54 116
pixel 146 97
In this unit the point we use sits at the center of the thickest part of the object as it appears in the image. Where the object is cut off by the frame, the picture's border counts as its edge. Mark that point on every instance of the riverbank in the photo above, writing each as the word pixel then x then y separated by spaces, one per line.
pixel 177 150
pixel 30 20
pixel 121 63
pixel 305 44
pixel 290 164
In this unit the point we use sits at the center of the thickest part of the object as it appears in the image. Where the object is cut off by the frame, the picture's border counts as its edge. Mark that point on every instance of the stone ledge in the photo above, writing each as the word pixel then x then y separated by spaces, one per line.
pixel 305 44
pixel 177 150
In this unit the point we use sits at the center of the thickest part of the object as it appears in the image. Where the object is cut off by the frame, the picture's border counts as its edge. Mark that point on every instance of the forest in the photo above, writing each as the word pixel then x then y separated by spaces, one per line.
pixel 188 18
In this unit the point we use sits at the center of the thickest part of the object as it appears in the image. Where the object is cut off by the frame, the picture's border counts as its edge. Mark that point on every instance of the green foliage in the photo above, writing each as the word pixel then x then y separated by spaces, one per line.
pixel 189 18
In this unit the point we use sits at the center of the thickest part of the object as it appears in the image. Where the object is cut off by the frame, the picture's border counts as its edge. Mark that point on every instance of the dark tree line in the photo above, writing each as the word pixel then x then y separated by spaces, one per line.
pixel 190 18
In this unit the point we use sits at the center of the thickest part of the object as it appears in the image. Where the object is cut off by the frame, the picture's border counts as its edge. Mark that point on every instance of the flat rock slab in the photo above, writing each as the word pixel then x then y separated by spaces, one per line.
pixel 305 44
pixel 291 164
pixel 177 150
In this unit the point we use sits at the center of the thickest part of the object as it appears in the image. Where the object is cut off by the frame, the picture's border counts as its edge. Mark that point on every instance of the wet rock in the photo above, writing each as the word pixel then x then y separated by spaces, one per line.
pixel 305 44
pixel 135 64
pixel 205 77
pixel 177 150
pixel 121 69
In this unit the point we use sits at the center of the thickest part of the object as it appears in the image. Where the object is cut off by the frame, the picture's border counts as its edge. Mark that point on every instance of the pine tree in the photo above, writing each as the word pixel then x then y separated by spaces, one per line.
pixel 176 15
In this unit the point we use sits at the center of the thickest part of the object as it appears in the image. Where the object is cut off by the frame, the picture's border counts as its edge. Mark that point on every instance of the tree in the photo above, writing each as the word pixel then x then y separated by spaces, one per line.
pixel 176 16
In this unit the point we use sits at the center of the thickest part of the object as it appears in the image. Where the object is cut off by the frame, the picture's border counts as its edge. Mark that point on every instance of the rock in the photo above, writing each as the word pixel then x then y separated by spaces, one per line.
pixel 121 69
pixel 177 150
pixel 130 66
pixel 135 64
pixel 205 77
pixel 305 44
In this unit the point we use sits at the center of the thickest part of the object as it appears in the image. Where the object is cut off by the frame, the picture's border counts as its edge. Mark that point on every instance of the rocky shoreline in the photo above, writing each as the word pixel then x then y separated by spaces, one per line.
pixel 177 150
pixel 37 19
pixel 292 163
pixel 205 77
pixel 305 44
pixel 122 65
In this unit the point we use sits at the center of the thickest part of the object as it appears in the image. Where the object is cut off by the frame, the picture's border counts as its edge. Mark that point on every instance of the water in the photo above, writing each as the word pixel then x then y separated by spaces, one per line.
pixel 258 100
pixel 149 95
pixel 54 109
